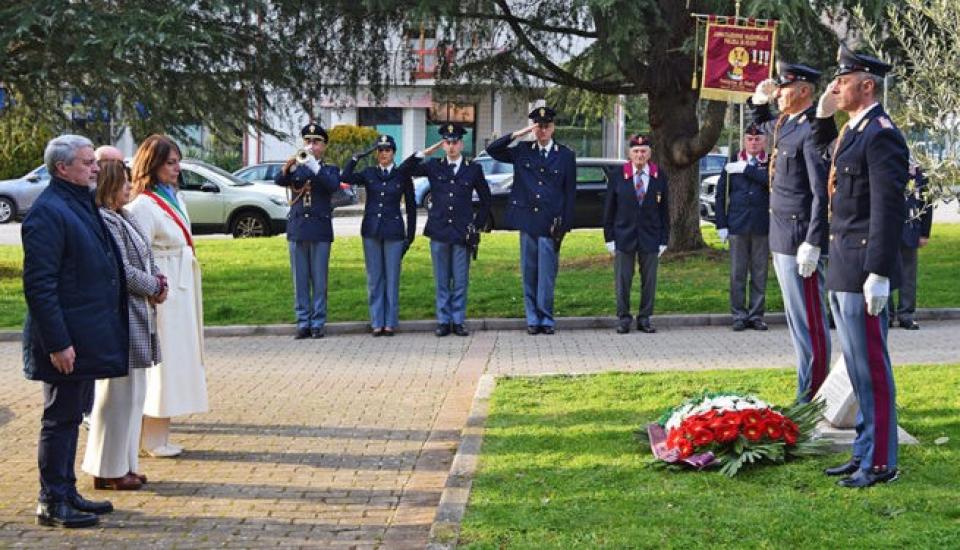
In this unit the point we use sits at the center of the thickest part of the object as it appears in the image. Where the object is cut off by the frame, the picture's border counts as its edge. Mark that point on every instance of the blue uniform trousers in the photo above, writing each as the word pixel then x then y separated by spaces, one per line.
pixel 451 273
pixel 63 404
pixel 383 259
pixel 804 302
pixel 309 261
pixel 863 341
pixel 539 262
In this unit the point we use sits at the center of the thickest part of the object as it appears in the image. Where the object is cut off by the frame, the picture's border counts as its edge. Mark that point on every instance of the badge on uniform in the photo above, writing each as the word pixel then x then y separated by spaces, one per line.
pixel 885 123
pixel 658 197
pixel 863 124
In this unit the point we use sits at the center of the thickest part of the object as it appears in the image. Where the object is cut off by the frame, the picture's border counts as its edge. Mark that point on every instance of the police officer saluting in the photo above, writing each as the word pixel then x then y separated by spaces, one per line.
pixel 636 227
pixel 452 225
pixel 743 217
pixel 541 207
pixel 384 239
pixel 798 214
pixel 868 176
pixel 309 229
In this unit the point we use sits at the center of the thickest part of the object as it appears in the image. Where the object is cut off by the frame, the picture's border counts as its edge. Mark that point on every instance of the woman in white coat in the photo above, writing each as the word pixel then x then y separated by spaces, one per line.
pixel 178 385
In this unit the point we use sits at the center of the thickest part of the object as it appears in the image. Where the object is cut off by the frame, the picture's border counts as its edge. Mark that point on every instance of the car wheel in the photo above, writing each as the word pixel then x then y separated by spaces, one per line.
pixel 7 210
pixel 428 200
pixel 250 224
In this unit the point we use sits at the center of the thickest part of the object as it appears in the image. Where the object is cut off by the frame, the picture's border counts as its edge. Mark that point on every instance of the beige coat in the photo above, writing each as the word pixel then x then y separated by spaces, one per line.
pixel 178 385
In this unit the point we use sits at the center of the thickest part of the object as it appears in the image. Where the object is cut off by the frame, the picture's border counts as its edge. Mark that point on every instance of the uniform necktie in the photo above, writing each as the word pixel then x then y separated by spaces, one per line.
pixel 384 172
pixel 776 141
pixel 753 161
pixel 639 187
pixel 543 153
pixel 832 178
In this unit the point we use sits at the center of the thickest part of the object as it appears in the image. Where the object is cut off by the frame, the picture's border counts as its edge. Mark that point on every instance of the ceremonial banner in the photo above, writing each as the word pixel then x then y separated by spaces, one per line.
pixel 735 59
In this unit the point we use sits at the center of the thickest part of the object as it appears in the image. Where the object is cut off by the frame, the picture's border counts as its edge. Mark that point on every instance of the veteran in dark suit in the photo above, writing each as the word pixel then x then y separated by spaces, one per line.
pixel 868 176
pixel 452 225
pixel 385 239
pixel 916 234
pixel 636 227
pixel 798 214
pixel 73 282
pixel 743 218
pixel 309 228
pixel 541 207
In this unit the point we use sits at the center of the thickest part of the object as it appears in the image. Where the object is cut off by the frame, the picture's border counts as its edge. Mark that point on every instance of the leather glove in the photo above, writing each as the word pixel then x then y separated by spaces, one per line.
pixel 876 291
pixel 663 248
pixel 735 167
pixel 723 234
pixel 807 258
pixel 612 247
pixel 764 91
pixel 828 103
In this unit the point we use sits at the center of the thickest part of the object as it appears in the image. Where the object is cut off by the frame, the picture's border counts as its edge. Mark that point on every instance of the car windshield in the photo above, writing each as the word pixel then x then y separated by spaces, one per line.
pixel 230 178
pixel 491 166
pixel 712 163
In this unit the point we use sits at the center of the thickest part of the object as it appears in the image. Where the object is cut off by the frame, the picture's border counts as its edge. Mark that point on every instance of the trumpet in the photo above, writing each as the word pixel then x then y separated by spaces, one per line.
pixel 303 156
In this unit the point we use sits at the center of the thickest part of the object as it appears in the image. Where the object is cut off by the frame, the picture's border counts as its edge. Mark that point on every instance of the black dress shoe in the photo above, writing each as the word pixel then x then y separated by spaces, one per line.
pixel 909 324
pixel 758 324
pixel 377 332
pixel 623 328
pixel 443 329
pixel 302 333
pixel 317 332
pixel 460 330
pixel 739 325
pixel 92 506
pixel 862 479
pixel 547 330
pixel 646 327
pixel 388 332
pixel 844 469
pixel 533 330
pixel 61 514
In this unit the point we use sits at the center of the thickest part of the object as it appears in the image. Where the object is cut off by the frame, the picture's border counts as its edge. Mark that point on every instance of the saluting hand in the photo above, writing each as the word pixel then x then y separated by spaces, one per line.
pixel 764 92
pixel 523 132
pixel 829 102
pixel 432 149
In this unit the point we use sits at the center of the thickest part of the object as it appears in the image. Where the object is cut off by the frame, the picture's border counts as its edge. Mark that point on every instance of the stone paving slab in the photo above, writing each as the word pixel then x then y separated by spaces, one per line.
pixel 345 441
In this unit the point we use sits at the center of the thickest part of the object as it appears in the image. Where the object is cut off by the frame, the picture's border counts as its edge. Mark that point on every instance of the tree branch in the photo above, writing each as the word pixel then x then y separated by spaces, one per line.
pixel 536 25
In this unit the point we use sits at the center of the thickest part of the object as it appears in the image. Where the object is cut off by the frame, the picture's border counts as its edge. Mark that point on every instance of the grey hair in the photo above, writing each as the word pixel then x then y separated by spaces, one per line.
pixel 63 149
pixel 877 83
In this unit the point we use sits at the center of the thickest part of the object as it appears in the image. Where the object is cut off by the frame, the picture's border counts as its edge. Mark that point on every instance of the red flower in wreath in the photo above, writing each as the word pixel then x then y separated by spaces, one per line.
pixel 753 432
pixel 751 418
pixel 702 436
pixel 685 448
pixel 728 434
pixel 772 429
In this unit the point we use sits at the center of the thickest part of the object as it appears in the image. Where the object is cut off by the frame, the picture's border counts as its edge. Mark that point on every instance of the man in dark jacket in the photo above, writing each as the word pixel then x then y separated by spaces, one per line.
pixel 916 234
pixel 73 282
pixel 743 217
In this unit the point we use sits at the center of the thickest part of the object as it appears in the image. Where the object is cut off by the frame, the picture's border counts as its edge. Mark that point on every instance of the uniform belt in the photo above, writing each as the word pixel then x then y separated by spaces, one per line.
pixel 802 216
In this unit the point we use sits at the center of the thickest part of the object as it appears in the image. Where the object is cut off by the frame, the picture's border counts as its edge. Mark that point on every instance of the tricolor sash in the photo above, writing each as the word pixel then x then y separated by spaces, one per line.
pixel 164 204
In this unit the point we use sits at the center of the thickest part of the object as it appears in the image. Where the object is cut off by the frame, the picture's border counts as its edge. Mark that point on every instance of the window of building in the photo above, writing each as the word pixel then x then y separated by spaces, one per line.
pixel 443 112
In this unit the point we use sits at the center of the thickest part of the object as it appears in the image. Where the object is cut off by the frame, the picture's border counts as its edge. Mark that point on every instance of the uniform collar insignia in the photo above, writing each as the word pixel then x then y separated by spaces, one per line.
pixel 802 118
pixel 863 124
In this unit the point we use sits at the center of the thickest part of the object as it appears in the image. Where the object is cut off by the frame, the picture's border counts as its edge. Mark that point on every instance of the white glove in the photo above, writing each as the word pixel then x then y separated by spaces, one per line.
pixel 828 103
pixel 763 92
pixel 807 258
pixel 876 290
pixel 723 234
pixel 663 249
pixel 736 167
pixel 312 164
pixel 612 247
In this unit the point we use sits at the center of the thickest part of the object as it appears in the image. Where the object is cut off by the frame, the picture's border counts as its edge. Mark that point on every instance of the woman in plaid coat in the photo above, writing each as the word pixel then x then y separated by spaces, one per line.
pixel 114 439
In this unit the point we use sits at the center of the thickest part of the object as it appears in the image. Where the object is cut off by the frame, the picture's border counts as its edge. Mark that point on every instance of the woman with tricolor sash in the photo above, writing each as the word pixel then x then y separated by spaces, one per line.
pixel 178 385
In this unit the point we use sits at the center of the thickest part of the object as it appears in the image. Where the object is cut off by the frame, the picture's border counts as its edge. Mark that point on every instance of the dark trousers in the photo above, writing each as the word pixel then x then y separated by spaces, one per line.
pixel 63 405
pixel 908 287
pixel 623 272
pixel 748 255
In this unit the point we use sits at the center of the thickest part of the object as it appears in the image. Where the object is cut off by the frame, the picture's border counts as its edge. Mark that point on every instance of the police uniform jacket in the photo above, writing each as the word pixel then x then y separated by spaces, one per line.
pixel 542 189
pixel 381 214
pixel 74 284
pixel 798 197
pixel 919 212
pixel 452 210
pixel 867 206
pixel 633 226
pixel 743 200
pixel 311 223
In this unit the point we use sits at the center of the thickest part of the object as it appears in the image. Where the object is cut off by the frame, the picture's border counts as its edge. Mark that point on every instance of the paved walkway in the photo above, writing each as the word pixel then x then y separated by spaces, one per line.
pixel 345 441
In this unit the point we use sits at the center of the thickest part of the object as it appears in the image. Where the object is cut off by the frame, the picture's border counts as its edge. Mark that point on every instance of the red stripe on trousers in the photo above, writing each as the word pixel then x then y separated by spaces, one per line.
pixel 811 294
pixel 881 390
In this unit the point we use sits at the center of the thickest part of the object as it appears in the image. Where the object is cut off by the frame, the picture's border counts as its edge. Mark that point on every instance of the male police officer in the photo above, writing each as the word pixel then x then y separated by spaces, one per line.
pixel 916 234
pixel 743 217
pixel 868 176
pixel 636 227
pixel 798 221
pixel 309 229
pixel 541 207
pixel 452 225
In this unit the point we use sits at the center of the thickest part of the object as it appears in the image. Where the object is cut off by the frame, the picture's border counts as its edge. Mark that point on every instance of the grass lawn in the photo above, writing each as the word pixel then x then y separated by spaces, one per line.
pixel 559 468
pixel 248 281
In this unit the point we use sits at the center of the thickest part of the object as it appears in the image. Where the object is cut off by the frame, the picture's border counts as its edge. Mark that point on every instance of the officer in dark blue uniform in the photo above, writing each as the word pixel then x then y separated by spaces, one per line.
pixel 916 234
pixel 541 207
pixel 309 228
pixel 384 239
pixel 636 228
pixel 452 225
pixel 868 177
pixel 798 214
pixel 743 217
